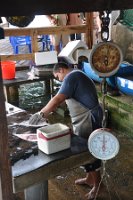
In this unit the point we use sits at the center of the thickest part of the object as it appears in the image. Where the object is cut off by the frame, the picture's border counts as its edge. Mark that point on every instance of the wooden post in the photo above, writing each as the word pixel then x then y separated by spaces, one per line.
pixel 89 31
pixel 34 44
pixel 6 191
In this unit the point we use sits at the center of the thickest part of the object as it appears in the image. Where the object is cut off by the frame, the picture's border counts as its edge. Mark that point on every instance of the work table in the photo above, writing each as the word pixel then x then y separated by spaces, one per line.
pixel 11 87
pixel 36 170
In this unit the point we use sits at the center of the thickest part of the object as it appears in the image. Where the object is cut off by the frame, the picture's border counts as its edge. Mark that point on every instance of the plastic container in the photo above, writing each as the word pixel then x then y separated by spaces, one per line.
pixel 8 69
pixel 53 138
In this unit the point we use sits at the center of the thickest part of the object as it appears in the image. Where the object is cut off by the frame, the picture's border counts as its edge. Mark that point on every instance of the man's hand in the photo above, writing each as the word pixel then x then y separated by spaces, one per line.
pixel 35 118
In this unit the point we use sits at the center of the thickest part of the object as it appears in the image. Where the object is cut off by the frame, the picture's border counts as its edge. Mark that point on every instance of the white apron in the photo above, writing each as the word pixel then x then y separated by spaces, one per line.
pixel 81 118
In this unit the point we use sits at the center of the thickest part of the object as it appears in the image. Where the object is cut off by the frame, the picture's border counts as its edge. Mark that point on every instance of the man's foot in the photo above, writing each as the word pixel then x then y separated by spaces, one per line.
pixel 95 192
pixel 84 181
pixel 92 194
pixel 81 181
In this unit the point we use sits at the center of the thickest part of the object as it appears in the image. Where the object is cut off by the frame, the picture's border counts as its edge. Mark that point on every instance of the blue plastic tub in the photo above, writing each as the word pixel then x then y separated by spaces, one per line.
pixel 125 85
pixel 124 70
pixel 90 73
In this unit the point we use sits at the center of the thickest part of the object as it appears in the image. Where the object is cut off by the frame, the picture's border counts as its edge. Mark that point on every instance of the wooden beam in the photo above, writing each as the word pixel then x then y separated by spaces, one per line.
pixel 43 7
pixel 17 57
pixel 45 30
pixel 5 170
pixel 34 32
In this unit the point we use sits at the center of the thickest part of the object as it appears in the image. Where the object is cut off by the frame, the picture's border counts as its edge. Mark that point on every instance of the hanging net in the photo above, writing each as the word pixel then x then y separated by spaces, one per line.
pixel 126 18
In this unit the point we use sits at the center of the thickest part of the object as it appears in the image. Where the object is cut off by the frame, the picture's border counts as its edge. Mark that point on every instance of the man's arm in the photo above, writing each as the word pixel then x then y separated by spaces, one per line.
pixel 52 19
pixel 53 104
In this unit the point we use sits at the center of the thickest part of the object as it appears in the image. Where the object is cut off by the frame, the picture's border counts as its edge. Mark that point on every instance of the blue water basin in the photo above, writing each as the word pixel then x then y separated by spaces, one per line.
pixel 125 85
pixel 124 70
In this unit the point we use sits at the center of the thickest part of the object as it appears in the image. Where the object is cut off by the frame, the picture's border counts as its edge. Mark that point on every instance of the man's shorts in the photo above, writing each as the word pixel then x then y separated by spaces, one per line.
pixel 56 39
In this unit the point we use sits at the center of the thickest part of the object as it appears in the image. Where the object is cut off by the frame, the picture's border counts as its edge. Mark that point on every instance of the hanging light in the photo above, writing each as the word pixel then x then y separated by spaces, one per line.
pixel 20 21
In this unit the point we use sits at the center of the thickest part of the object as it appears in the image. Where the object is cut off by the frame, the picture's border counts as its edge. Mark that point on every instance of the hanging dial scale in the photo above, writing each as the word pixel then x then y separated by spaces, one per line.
pixel 103 144
pixel 106 56
pixel 105 59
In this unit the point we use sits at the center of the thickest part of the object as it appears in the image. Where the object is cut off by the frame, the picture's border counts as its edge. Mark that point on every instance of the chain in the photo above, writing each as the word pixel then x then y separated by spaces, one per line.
pixel 105 19
pixel 105 111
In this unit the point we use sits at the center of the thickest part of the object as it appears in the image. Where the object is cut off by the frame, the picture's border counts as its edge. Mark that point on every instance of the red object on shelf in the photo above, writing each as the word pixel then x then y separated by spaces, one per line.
pixel 8 69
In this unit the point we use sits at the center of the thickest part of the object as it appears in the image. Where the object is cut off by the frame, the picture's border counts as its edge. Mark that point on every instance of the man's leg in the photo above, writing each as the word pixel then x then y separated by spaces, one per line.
pixel 57 48
pixel 90 167
pixel 92 179
pixel 97 186
pixel 65 39
pixel 56 42
pixel 89 179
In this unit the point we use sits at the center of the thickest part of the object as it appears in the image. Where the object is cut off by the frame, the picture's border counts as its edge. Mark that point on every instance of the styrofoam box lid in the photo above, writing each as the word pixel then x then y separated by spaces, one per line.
pixel 45 58
pixel 53 130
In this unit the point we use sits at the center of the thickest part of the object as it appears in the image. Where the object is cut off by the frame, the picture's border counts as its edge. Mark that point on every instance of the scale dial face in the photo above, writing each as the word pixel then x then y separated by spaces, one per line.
pixel 103 144
pixel 105 58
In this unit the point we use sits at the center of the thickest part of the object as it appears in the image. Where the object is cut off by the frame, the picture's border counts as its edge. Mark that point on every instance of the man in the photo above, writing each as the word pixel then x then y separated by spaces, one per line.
pixel 80 95
pixel 75 19
pixel 59 39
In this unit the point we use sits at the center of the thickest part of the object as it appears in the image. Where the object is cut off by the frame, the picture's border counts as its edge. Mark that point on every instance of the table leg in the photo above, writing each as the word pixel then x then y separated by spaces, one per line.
pixel 49 87
pixel 52 87
pixel 12 94
pixel 37 192
pixel 6 93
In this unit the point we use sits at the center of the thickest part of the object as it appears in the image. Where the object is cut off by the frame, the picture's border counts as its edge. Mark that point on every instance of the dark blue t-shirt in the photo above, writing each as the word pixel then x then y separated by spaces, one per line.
pixel 78 86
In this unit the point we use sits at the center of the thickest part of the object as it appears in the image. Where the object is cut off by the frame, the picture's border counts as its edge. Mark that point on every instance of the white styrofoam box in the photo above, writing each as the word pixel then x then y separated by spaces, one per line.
pixel 53 138
pixel 69 51
pixel 45 58
pixel 83 53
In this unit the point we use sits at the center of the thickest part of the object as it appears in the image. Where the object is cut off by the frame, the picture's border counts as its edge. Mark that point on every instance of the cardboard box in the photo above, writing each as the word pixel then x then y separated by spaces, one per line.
pixel 53 138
